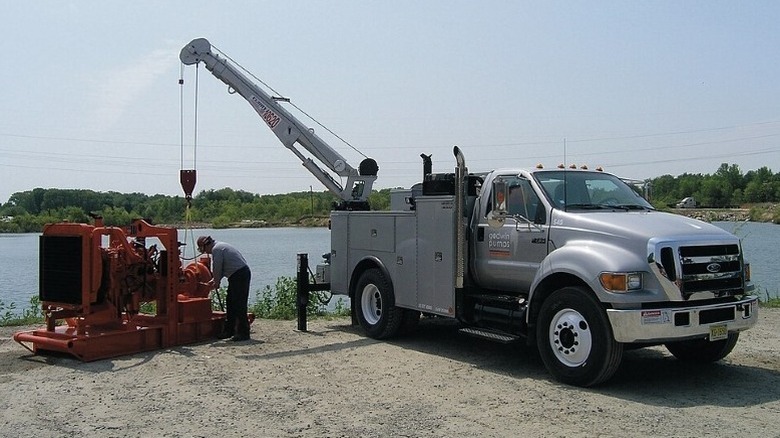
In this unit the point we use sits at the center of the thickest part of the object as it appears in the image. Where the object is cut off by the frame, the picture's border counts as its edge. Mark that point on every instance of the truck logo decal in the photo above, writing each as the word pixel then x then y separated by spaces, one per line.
pixel 499 244
pixel 268 116
pixel 713 267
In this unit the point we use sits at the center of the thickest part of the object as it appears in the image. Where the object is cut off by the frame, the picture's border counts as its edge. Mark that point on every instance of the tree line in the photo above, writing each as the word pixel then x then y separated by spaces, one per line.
pixel 728 187
pixel 30 210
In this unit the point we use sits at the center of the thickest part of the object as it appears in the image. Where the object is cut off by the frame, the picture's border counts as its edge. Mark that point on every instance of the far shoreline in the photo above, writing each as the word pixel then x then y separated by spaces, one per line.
pixel 765 214
pixel 703 214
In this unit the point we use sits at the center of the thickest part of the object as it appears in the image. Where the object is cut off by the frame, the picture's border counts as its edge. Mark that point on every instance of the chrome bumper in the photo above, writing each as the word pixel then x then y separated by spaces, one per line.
pixel 668 324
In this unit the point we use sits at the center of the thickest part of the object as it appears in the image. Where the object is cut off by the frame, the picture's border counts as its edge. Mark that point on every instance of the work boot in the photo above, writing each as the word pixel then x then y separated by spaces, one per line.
pixel 240 337
pixel 242 330
pixel 228 329
pixel 225 334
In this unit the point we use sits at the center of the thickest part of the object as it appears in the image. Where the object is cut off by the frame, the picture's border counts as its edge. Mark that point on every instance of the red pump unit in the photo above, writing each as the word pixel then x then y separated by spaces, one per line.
pixel 94 280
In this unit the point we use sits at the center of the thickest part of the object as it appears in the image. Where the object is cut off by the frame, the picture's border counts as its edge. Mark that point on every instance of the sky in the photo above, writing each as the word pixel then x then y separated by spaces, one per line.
pixel 91 96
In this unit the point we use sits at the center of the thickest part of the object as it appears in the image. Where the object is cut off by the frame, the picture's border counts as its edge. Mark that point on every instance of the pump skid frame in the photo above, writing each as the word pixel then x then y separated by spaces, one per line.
pixel 93 280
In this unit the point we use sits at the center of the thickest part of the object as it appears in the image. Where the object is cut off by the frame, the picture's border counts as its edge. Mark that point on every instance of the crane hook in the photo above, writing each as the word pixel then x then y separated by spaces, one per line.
pixel 188 178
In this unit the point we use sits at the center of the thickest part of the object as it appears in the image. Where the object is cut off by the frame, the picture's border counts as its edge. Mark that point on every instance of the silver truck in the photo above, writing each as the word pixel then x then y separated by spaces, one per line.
pixel 688 202
pixel 573 261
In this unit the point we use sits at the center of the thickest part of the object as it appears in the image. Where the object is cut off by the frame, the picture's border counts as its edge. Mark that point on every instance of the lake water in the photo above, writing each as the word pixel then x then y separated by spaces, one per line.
pixel 271 253
pixel 761 244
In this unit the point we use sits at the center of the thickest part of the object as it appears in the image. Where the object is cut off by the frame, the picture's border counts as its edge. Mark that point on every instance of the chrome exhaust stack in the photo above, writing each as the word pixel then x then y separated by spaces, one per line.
pixel 461 172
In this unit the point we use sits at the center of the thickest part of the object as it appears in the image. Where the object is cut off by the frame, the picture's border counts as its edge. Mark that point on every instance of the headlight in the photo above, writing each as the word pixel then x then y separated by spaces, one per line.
pixel 621 281
pixel 747 271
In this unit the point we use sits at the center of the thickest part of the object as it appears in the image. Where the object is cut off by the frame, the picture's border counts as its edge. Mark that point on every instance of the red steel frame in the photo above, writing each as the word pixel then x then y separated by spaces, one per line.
pixel 98 329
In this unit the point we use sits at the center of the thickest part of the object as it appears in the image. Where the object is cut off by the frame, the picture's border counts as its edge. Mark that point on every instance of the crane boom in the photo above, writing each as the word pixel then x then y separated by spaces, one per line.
pixel 290 131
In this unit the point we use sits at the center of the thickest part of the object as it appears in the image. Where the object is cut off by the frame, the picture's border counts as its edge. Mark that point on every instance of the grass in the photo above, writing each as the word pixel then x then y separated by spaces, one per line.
pixel 773 303
pixel 765 300
pixel 9 314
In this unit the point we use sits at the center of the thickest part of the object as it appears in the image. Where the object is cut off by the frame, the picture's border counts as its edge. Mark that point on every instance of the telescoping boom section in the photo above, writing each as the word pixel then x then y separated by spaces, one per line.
pixel 290 131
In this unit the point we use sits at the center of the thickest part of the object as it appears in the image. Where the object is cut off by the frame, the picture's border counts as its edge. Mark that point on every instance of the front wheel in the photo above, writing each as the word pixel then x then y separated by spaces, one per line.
pixel 375 305
pixel 575 339
pixel 702 350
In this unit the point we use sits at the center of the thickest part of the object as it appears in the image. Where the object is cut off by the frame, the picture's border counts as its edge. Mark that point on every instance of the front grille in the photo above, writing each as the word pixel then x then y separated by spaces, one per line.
pixel 709 250
pixel 690 287
pixel 703 268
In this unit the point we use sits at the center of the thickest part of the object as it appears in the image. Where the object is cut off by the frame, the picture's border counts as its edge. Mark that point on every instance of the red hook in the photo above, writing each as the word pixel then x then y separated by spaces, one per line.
pixel 188 178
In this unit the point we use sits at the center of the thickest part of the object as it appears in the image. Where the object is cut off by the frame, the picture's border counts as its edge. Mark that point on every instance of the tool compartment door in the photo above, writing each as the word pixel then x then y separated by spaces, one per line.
pixel 436 254
pixel 405 265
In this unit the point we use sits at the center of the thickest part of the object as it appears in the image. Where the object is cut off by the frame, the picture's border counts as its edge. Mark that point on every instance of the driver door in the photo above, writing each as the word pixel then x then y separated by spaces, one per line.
pixel 508 257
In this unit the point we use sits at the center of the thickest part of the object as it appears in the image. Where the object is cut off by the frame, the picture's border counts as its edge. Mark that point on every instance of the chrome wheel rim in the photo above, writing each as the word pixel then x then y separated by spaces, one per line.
pixel 571 339
pixel 371 304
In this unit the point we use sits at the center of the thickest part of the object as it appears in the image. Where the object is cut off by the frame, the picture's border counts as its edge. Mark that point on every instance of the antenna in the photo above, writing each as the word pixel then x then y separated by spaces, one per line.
pixel 565 179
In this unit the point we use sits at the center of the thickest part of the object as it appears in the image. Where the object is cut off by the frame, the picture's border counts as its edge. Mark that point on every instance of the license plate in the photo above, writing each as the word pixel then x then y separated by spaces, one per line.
pixel 718 332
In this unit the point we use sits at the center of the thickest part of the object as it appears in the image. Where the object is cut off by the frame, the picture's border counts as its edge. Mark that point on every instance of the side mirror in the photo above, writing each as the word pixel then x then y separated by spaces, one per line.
pixel 498 197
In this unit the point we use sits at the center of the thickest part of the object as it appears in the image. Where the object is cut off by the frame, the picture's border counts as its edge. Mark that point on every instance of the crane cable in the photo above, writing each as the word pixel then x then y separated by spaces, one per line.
pixel 188 177
pixel 289 101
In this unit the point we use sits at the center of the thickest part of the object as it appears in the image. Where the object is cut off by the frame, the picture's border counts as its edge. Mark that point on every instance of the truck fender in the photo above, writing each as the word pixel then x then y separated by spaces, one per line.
pixel 367 262
pixel 580 263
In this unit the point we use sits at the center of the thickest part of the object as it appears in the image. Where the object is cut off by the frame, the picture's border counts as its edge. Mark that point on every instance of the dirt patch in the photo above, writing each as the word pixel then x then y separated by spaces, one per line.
pixel 332 381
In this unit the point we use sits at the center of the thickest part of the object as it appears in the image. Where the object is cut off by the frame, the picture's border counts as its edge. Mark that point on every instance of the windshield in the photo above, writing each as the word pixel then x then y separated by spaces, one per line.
pixel 573 190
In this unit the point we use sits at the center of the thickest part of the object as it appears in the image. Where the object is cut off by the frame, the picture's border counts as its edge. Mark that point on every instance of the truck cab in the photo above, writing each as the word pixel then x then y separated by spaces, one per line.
pixel 545 209
pixel 592 267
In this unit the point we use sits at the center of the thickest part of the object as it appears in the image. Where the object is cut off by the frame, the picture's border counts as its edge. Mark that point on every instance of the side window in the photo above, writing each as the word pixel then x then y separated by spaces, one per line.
pixel 540 214
pixel 523 201
pixel 487 196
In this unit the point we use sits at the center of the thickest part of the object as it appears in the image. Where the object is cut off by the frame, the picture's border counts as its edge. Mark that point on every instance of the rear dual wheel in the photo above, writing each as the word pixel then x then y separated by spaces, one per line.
pixel 375 305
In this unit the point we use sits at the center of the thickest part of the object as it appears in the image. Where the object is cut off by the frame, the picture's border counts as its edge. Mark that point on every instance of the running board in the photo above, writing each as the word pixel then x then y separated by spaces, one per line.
pixel 491 335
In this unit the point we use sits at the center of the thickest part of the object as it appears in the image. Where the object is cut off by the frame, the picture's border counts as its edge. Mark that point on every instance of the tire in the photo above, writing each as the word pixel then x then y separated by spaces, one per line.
pixel 575 339
pixel 375 305
pixel 702 350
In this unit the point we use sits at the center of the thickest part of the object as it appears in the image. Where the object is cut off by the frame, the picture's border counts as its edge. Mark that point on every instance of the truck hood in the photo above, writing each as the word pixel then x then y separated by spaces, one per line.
pixel 636 225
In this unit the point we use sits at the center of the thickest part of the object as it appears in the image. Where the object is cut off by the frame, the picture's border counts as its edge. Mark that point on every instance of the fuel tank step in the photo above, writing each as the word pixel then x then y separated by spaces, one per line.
pixel 491 335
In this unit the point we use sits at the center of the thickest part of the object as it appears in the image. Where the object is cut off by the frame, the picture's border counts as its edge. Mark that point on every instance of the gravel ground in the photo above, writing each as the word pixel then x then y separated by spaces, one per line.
pixel 333 382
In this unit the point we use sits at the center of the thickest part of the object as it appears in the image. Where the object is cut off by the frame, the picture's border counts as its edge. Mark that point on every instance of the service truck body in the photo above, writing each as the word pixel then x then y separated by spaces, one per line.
pixel 690 275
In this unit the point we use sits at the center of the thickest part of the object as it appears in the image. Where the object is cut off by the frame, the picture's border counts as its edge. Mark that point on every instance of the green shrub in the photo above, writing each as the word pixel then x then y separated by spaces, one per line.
pixel 148 308
pixel 31 315
pixel 770 302
pixel 280 302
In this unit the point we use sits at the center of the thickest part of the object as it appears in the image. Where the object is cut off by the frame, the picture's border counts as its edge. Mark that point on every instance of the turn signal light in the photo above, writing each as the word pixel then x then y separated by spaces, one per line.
pixel 621 281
